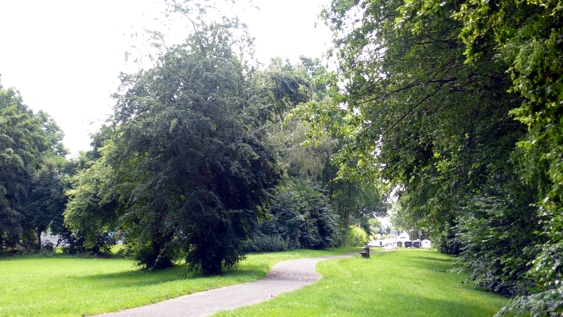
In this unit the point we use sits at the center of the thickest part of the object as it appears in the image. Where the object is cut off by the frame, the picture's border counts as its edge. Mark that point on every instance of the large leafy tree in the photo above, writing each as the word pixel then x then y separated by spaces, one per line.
pixel 305 148
pixel 301 216
pixel 527 36
pixel 420 120
pixel 46 199
pixel 27 143
pixel 92 200
pixel 187 160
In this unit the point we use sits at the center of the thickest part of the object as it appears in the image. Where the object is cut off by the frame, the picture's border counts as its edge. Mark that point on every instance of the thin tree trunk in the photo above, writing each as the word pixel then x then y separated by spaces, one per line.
pixel 40 245
pixel 347 208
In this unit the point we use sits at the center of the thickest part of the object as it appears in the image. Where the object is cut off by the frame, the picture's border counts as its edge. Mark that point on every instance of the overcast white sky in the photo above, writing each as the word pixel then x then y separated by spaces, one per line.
pixel 64 55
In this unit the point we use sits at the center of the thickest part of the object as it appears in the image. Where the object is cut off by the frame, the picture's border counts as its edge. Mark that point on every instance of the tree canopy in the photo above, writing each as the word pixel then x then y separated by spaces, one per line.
pixel 453 107
pixel 31 193
pixel 429 92
pixel 189 169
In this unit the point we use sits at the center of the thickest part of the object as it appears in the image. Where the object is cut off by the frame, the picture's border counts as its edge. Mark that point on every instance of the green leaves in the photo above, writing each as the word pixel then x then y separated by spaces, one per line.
pixel 420 120
pixel 527 35
pixel 185 174
pixel 302 217
pixel 27 141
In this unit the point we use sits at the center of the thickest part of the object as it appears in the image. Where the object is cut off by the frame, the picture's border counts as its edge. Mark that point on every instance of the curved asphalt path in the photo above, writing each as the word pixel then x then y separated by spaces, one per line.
pixel 284 277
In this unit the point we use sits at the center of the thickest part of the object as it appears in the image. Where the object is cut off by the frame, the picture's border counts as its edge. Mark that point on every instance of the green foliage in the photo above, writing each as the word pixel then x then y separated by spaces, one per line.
pixel 91 202
pixel 420 121
pixel 527 36
pixel 186 174
pixel 21 145
pixel 493 236
pixel 546 303
pixel 265 243
pixel 46 199
pixel 375 227
pixel 299 159
pixel 356 201
pixel 302 217
pixel 282 87
pixel 356 237
pixel 305 148
pixel 434 122
pixel 547 271
pixel 30 183
pixel 288 137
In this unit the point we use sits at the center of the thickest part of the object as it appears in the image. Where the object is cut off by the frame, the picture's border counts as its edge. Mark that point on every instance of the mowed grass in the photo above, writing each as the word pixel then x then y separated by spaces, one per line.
pixel 72 286
pixel 401 283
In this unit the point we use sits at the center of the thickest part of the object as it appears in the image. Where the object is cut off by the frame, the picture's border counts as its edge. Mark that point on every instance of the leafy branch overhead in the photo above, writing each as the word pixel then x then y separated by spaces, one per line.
pixel 454 106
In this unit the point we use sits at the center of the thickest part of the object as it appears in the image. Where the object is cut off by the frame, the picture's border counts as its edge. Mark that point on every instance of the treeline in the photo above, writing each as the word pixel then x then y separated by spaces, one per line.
pixel 452 106
pixel 32 165
pixel 456 106
pixel 198 164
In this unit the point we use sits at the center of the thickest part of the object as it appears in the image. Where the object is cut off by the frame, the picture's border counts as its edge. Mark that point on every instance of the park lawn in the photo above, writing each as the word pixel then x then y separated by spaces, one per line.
pixel 401 283
pixel 74 286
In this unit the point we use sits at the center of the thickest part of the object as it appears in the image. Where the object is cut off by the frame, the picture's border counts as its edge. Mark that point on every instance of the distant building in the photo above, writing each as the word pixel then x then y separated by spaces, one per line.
pixel 404 237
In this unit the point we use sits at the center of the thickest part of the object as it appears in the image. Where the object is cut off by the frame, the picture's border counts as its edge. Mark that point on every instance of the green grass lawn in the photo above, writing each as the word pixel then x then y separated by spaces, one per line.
pixel 401 283
pixel 72 286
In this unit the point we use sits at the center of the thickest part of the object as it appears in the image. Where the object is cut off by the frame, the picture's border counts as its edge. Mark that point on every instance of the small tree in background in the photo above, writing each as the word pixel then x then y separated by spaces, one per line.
pixel 302 217
pixel 356 236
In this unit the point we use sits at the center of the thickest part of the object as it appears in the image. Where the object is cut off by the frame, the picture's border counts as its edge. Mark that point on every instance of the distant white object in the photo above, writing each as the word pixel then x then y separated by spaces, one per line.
pixel 49 238
pixel 380 243
pixel 425 244
pixel 375 243
pixel 404 237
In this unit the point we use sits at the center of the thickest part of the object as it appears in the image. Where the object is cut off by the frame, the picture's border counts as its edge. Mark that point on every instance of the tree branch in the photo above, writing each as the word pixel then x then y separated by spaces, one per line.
pixel 428 96
pixel 197 35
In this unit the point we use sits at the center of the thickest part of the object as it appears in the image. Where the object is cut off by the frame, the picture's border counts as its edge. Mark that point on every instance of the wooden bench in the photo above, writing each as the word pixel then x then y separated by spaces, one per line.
pixel 365 252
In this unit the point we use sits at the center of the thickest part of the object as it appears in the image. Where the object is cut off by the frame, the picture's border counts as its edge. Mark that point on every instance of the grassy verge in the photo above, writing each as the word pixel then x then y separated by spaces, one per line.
pixel 401 283
pixel 71 286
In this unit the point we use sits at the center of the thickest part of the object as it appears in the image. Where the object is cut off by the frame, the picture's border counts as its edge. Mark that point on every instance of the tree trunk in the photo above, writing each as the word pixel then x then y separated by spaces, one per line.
pixel 347 208
pixel 40 245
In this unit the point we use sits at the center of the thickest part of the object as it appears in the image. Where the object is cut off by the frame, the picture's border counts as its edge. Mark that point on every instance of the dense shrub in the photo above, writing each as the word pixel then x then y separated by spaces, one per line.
pixel 48 247
pixel 75 242
pixel 547 272
pixel 494 232
pixel 356 236
pixel 265 243
pixel 302 217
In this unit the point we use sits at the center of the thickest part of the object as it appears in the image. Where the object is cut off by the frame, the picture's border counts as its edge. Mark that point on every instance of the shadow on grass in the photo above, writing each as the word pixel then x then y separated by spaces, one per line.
pixel 427 258
pixel 25 257
pixel 426 263
pixel 425 305
pixel 139 278
pixel 406 283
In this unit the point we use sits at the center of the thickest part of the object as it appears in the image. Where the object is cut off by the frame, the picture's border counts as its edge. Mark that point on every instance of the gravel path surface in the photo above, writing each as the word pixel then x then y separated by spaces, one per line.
pixel 284 277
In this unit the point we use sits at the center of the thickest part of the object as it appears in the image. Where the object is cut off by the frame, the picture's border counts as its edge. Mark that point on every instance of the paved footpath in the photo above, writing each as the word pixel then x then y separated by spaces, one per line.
pixel 284 277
